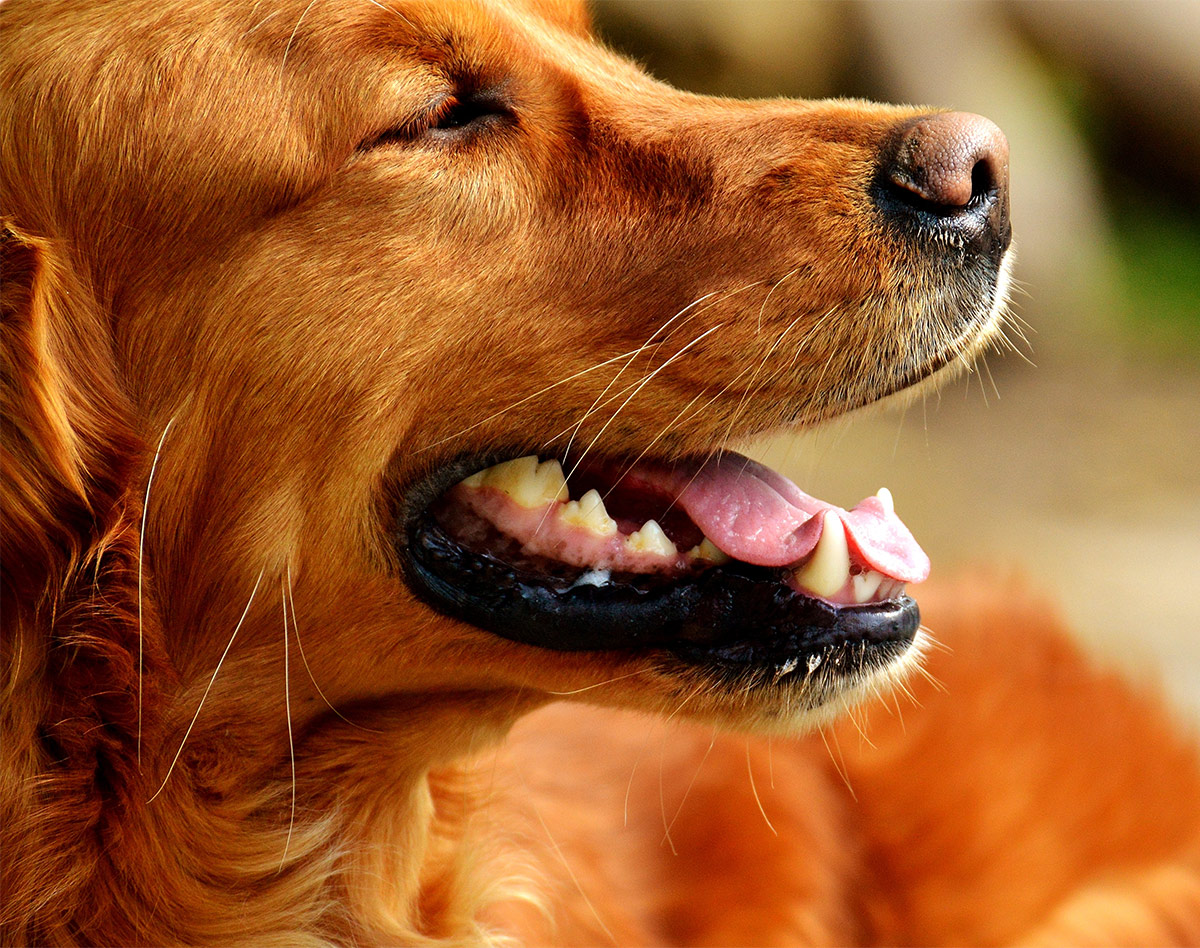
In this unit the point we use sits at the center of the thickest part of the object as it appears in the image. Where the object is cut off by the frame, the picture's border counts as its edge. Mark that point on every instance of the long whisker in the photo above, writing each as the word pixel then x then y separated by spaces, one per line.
pixel 839 762
pixel 204 696
pixel 288 46
pixel 636 352
pixel 304 658
pixel 662 802
pixel 562 858
pixel 141 546
pixel 749 389
pixel 661 332
pixel 643 384
pixel 728 385
pixel 762 309
pixel 691 783
pixel 671 424
pixel 287 704
pixel 729 295
pixel 754 790
pixel 599 684
pixel 522 401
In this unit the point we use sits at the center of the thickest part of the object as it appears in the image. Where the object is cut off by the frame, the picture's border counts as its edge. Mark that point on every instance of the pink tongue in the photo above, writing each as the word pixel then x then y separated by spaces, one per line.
pixel 759 516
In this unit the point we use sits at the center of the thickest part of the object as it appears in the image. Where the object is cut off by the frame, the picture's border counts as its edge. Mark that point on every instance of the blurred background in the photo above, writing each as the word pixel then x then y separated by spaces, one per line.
pixel 1078 466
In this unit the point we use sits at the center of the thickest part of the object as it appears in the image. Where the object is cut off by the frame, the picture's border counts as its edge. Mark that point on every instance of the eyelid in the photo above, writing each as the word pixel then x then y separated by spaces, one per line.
pixel 488 102
pixel 414 125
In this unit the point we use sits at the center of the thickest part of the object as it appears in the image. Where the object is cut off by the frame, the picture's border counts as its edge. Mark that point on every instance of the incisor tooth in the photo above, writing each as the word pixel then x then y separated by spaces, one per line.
pixel 651 539
pixel 590 513
pixel 885 497
pixel 527 482
pixel 707 550
pixel 829 566
pixel 865 584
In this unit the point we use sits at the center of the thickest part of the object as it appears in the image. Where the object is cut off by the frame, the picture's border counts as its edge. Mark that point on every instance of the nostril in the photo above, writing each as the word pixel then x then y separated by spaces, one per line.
pixel 945 176
pixel 983 181
pixel 949 160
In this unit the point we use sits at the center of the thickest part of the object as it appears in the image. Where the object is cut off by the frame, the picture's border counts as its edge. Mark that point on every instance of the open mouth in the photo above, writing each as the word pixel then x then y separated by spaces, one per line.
pixel 716 560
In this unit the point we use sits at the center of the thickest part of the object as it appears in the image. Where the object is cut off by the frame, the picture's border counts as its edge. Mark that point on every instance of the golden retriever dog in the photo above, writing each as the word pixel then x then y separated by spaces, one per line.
pixel 376 570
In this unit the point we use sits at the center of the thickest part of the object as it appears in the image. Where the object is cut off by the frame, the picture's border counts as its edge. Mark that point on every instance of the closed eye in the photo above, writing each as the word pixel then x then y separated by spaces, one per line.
pixel 457 117
pixel 459 112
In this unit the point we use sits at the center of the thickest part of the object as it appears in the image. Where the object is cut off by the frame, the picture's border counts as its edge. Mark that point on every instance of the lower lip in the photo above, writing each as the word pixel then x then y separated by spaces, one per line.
pixel 733 613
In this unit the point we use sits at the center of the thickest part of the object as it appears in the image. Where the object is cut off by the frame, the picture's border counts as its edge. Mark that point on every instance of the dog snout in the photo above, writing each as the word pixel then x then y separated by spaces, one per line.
pixel 947 175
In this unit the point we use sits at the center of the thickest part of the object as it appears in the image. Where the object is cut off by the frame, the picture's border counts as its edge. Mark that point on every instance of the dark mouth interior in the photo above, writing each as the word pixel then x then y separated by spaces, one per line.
pixel 703 610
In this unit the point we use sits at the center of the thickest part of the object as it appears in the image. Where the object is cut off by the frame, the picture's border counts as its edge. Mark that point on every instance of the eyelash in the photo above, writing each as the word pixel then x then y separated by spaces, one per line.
pixel 461 111
pixel 456 116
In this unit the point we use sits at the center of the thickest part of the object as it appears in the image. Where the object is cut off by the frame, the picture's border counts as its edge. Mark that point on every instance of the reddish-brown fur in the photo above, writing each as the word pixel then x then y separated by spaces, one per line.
pixel 216 269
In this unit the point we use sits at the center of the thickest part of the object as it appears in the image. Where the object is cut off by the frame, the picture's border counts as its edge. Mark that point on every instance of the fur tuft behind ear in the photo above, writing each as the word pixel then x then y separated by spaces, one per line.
pixel 67 446
pixel 68 560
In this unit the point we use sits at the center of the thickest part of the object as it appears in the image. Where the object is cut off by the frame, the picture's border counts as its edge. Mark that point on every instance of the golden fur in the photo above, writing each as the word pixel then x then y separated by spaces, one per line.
pixel 248 297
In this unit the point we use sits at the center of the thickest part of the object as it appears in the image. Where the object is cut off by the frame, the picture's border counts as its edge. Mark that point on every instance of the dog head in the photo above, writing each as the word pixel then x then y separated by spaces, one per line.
pixel 288 284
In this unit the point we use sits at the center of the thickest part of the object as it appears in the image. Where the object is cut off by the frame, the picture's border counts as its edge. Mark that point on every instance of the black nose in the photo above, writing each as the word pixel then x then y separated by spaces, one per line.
pixel 946 176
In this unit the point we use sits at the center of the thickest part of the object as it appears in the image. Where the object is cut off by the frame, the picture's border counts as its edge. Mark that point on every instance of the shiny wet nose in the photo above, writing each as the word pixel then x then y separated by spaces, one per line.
pixel 947 174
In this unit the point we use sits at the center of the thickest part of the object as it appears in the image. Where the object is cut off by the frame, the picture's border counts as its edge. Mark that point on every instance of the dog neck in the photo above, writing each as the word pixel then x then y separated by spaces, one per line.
pixel 316 840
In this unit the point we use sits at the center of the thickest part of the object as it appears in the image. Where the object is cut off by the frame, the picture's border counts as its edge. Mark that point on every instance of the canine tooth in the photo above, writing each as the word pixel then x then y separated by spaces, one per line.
pixel 590 513
pixel 885 497
pixel 651 539
pixel 527 482
pixel 865 584
pixel 829 566
pixel 475 480
pixel 707 550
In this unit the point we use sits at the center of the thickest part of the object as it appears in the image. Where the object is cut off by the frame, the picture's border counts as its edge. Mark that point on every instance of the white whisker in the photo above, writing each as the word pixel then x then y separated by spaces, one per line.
pixel 562 858
pixel 522 401
pixel 304 659
pixel 671 424
pixel 636 352
pixel 288 46
pixel 287 704
pixel 599 684
pixel 204 696
pixel 839 762
pixel 141 546
pixel 762 309
pixel 662 803
pixel 643 384
pixel 754 790
pixel 691 783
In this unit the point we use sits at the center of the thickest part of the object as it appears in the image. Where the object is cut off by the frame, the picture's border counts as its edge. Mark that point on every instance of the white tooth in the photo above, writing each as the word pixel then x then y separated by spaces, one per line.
pixel 527 482
pixel 829 566
pixel 475 480
pixel 554 484
pixel 650 539
pixel 865 584
pixel 588 512
pixel 709 551
pixel 885 497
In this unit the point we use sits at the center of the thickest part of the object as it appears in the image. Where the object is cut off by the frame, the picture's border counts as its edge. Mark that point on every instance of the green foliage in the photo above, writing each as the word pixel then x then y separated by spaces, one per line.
pixel 1159 251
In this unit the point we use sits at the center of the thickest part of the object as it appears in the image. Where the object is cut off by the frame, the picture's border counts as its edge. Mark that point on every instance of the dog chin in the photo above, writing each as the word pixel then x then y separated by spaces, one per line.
pixel 798 704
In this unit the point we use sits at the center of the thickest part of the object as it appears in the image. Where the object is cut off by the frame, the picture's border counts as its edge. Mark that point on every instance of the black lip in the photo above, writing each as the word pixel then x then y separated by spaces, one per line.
pixel 736 614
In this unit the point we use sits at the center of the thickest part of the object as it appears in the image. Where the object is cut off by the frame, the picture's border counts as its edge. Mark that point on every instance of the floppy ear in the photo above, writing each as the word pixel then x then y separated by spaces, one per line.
pixel 69 544
pixel 67 445
pixel 69 629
